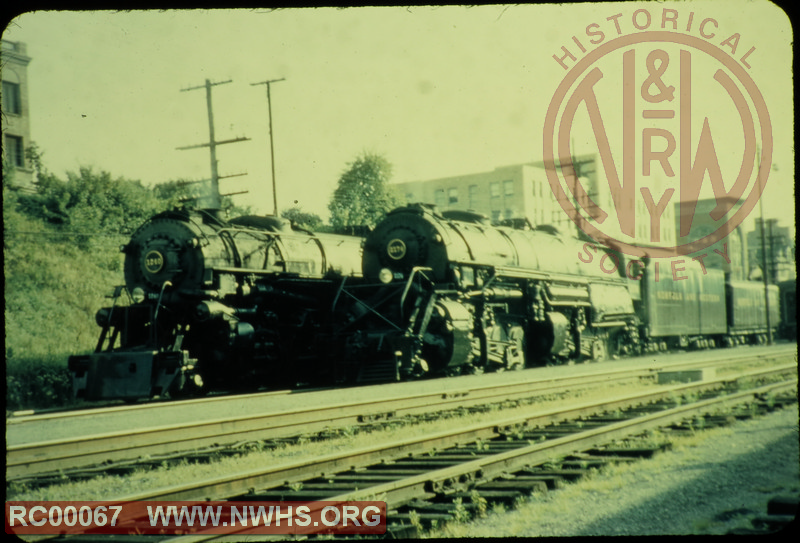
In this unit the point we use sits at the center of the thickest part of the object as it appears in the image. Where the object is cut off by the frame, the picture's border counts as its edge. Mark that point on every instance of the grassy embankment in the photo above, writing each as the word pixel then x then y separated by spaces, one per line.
pixel 54 284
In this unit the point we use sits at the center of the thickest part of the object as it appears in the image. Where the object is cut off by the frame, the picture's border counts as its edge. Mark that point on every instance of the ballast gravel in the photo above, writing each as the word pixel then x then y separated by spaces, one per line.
pixel 710 483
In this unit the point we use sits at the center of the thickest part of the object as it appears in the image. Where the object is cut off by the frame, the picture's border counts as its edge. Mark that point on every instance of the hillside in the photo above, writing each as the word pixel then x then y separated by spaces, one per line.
pixel 62 258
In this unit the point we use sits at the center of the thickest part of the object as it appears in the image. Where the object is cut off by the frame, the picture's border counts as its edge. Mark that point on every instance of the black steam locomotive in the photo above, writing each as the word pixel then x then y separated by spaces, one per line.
pixel 215 304
pixel 252 302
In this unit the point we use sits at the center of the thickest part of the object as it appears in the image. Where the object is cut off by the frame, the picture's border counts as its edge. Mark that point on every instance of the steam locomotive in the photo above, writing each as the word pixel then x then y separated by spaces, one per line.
pixel 215 304
pixel 254 302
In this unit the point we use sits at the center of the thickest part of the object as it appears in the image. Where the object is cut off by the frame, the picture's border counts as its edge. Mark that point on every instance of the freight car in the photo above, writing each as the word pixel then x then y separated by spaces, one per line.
pixel 747 316
pixel 703 309
pixel 690 312
pixel 788 309
pixel 214 304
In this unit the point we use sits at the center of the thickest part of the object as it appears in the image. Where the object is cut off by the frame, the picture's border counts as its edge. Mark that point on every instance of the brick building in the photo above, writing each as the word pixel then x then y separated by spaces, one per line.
pixel 507 192
pixel 16 118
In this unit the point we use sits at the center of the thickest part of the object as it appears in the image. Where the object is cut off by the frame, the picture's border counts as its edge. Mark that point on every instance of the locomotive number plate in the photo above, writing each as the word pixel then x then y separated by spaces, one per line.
pixel 396 249
pixel 153 262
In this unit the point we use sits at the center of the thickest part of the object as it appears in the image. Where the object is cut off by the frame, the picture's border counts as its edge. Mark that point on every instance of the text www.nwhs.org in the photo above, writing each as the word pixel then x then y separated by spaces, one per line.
pixel 181 517
pixel 203 515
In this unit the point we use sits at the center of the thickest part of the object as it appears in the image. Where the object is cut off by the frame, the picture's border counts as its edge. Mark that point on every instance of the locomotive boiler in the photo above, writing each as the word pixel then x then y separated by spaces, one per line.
pixel 215 303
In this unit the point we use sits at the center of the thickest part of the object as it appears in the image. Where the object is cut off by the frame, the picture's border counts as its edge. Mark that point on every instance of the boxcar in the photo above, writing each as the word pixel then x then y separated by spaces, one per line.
pixel 684 309
pixel 747 314
pixel 788 305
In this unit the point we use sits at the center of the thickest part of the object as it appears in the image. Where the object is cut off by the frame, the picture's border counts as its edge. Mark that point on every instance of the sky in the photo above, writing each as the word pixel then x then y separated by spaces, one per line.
pixel 438 91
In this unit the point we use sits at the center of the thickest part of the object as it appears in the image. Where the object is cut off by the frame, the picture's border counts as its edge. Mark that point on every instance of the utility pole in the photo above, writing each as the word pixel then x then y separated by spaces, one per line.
pixel 764 272
pixel 271 146
pixel 772 262
pixel 216 199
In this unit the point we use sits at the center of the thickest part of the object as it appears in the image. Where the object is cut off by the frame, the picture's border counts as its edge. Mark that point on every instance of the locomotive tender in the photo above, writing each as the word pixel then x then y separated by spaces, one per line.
pixel 252 302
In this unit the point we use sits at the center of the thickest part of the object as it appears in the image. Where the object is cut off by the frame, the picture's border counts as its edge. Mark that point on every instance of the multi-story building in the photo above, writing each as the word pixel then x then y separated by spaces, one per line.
pixel 508 192
pixel 780 255
pixel 16 119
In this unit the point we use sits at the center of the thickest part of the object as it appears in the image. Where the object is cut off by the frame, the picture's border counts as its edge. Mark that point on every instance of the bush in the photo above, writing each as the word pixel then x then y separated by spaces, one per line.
pixel 90 202
pixel 36 384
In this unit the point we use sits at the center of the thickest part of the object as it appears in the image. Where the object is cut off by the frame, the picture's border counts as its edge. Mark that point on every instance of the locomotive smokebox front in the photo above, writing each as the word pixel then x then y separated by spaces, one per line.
pixel 165 248
pixel 405 239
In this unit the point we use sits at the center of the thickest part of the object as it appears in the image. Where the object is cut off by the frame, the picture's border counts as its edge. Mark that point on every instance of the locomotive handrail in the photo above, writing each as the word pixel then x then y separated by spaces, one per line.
pixel 160 296
pixel 414 270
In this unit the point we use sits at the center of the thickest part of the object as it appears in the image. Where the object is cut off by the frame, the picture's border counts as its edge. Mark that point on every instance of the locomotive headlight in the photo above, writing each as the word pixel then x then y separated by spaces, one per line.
pixel 138 295
pixel 385 275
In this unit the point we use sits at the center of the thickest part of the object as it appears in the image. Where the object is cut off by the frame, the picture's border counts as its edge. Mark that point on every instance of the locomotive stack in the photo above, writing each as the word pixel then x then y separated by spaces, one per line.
pixel 253 302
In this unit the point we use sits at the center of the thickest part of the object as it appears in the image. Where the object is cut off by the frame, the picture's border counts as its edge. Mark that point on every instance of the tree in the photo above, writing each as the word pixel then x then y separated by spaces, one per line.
pixel 363 195
pixel 311 221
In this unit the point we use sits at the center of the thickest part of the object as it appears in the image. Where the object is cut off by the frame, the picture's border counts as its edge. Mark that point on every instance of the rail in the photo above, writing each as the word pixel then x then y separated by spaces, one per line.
pixel 29 460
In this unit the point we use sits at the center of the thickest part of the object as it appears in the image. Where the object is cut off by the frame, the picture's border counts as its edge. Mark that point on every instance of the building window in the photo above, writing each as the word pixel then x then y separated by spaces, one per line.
pixel 14 151
pixel 508 188
pixel 12 100
pixel 452 196
pixel 494 190
pixel 473 196
pixel 496 215
pixel 439 197
pixel 509 214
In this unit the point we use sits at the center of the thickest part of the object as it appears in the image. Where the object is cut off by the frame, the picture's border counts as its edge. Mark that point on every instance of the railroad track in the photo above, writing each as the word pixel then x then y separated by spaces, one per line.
pixel 502 460
pixel 43 458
